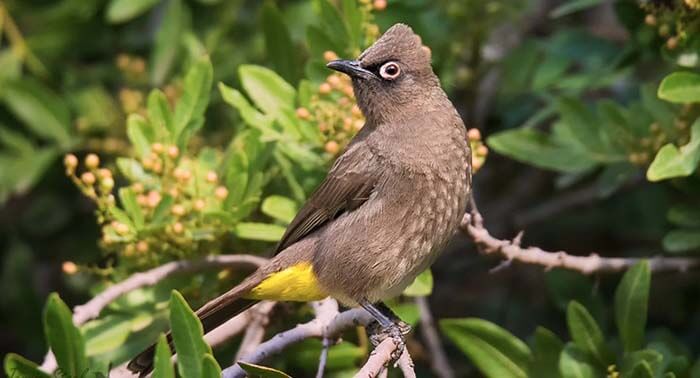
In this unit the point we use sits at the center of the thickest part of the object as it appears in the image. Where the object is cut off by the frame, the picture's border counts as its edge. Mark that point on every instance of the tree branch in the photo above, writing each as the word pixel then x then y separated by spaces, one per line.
pixel 510 250
pixel 439 363
pixel 328 323
pixel 92 309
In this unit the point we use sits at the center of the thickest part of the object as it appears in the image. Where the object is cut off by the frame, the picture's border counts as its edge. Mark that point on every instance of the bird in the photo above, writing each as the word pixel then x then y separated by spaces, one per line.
pixel 386 209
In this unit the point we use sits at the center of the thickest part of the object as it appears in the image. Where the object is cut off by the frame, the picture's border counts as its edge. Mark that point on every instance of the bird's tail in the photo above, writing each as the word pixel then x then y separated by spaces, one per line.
pixel 213 314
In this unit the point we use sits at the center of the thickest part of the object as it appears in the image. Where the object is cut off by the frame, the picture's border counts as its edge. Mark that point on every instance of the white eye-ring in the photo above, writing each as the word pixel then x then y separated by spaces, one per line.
pixel 390 71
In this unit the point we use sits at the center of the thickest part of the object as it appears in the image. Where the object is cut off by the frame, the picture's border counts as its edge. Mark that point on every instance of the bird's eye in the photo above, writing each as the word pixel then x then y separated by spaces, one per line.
pixel 390 71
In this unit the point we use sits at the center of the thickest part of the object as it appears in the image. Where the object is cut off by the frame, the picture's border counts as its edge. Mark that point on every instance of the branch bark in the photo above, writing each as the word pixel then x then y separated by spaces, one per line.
pixel 92 309
pixel 510 250
pixel 439 363
pixel 328 323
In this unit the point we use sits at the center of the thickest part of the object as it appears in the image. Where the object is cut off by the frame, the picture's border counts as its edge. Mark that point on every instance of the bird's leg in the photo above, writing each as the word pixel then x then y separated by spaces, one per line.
pixel 387 325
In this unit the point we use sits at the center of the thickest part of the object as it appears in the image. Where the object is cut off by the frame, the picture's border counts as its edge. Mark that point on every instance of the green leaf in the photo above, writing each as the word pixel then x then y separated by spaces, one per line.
pixel 250 115
pixel 131 206
pixel 495 351
pixel 613 177
pixel 334 24
pixel 354 18
pixel 41 110
pixel 586 334
pixel 64 338
pixel 672 161
pixel 195 96
pixel 582 124
pixel 573 6
pixel 162 366
pixel 631 299
pixel 259 231
pixel 15 141
pixel 259 371
pixel 680 87
pixel 187 336
pixel 268 90
pixel 18 366
pixel 124 10
pixel 684 215
pixel 106 334
pixel 168 42
pixel 574 363
pixel 681 240
pixel 641 364
pixel 280 208
pixel 132 170
pixel 546 350
pixel 281 52
pixel 159 112
pixel 140 134
pixel 539 149
pixel 210 368
pixel 421 286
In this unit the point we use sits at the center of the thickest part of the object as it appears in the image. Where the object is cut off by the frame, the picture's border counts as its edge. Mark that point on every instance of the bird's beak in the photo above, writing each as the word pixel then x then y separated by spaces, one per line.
pixel 351 68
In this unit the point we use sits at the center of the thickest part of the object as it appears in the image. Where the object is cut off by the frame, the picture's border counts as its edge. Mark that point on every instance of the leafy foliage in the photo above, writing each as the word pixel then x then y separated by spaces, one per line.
pixel 197 127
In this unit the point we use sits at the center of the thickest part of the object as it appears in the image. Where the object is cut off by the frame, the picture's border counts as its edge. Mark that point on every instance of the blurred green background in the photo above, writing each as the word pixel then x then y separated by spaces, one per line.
pixel 588 111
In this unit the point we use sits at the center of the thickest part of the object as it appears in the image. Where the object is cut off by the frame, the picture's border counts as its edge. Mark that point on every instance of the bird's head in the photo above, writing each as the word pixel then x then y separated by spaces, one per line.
pixel 393 76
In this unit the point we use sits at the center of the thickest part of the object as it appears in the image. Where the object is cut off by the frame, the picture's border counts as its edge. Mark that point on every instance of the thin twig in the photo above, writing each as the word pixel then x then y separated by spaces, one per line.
pixel 328 323
pixel 92 309
pixel 323 358
pixel 255 332
pixel 439 363
pixel 473 226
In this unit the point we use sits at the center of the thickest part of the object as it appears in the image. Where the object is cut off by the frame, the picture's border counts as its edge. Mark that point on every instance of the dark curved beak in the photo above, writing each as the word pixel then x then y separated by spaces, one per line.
pixel 351 68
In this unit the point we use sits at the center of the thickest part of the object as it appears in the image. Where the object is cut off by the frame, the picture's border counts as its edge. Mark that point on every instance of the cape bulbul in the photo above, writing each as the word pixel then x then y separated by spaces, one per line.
pixel 388 205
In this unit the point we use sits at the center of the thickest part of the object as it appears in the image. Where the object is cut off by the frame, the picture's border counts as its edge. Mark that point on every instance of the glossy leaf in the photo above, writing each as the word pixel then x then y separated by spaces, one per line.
pixel 269 91
pixel 162 365
pixel 546 349
pixel 64 338
pixel 187 336
pixel 631 299
pixel 159 113
pixel 681 241
pixel 18 366
pixel 573 6
pixel 259 371
pixel 642 364
pixel 539 149
pixel 421 286
pixel 106 334
pixel 684 215
pixel 586 334
pixel 574 363
pixel 259 231
pixel 280 208
pixel 124 10
pixel 672 161
pixel 195 96
pixel 495 351
pixel 281 51
pixel 168 42
pixel 210 368
pixel 140 134
pixel 131 206
pixel 41 110
pixel 680 87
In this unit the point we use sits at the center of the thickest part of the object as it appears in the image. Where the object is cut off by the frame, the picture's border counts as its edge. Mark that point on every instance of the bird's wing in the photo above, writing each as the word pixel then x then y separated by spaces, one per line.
pixel 347 186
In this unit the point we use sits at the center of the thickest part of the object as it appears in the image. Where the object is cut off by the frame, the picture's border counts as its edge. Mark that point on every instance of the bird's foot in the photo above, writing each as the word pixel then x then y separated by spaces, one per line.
pixel 397 331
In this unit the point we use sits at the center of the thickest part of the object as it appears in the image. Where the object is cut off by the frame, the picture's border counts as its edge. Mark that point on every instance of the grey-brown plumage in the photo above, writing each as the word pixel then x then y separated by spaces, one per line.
pixel 402 183
pixel 390 202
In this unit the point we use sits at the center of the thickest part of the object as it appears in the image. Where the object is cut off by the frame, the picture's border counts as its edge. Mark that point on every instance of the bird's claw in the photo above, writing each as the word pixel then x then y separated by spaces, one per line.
pixel 397 332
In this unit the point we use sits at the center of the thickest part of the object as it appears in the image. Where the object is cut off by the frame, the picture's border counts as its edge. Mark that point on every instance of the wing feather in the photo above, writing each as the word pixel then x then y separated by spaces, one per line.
pixel 347 186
